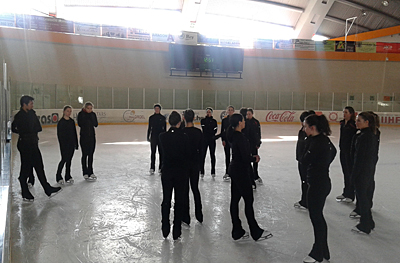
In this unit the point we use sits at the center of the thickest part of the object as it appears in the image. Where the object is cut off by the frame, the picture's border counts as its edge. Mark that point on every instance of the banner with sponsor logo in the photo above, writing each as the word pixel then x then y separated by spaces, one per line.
pixel 162 37
pixel 202 39
pixel 186 38
pixel 113 31
pixel 283 44
pixel 141 116
pixel 366 47
pixel 304 44
pixel 263 43
pixel 51 24
pixel 229 42
pixel 138 34
pixel 7 19
pixel 382 47
pixel 326 45
pixel 87 29
pixel 343 46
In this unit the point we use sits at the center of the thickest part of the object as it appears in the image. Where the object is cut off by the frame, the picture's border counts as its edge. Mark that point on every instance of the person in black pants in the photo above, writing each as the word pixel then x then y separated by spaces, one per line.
pixel 27 125
pixel 209 126
pixel 318 156
pixel 300 148
pixel 195 144
pixel 241 181
pixel 157 125
pixel 347 131
pixel 87 120
pixel 68 140
pixel 227 148
pixel 364 154
pixel 253 134
pixel 175 174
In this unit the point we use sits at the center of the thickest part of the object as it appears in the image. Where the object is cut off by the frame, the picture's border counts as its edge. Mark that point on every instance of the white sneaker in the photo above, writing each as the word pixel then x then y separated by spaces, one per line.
pixel 299 206
pixel 201 175
pixel 61 182
pixel 30 185
pixel 151 171
pixel 213 175
pixel 93 177
pixel 70 181
pixel 259 180
pixel 354 215
pixel 340 198
pixel 185 225
pixel 226 178
pixel 309 259
pixel 245 236
pixel 265 235
pixel 85 176
pixel 347 200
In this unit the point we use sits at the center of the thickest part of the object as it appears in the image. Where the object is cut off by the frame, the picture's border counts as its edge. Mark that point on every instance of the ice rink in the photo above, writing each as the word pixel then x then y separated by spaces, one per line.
pixel 117 218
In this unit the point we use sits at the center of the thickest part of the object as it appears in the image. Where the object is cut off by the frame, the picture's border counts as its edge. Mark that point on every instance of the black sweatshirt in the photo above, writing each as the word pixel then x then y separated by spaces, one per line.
pixel 27 125
pixel 347 131
pixel 175 151
pixel 241 154
pixel 301 144
pixel 66 133
pixel 209 126
pixel 253 132
pixel 157 125
pixel 224 127
pixel 318 156
pixel 87 122
pixel 195 143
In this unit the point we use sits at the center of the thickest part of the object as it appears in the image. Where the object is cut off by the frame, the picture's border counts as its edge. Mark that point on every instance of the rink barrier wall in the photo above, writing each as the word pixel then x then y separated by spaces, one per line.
pixel 50 117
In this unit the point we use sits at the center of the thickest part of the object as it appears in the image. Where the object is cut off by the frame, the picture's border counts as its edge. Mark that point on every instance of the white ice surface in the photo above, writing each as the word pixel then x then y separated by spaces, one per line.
pixel 117 218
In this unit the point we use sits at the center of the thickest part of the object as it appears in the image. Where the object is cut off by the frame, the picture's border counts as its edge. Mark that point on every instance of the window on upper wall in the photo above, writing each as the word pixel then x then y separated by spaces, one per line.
pixel 181 99
pixel 135 98
pixel 121 98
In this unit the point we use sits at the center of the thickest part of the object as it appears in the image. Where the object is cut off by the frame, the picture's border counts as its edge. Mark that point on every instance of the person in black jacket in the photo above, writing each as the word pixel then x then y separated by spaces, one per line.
pixel 175 174
pixel 157 125
pixel 68 140
pixel 87 120
pixel 209 126
pixel 347 131
pixel 364 153
pixel 253 134
pixel 227 148
pixel 300 149
pixel 241 181
pixel 27 125
pixel 318 156
pixel 195 144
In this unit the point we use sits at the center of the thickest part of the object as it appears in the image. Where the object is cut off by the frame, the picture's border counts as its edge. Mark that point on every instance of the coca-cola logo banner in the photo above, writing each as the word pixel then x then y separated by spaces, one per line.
pixel 281 116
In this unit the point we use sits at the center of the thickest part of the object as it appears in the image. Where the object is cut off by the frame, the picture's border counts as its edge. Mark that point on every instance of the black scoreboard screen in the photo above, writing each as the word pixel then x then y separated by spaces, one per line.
pixel 203 58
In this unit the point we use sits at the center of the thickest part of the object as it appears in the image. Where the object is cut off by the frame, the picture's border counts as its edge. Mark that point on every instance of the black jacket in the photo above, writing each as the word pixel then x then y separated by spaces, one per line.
pixel 175 151
pixel 195 137
pixel 364 154
pixel 157 125
pixel 301 144
pixel 87 122
pixel 347 131
pixel 209 126
pixel 318 156
pixel 224 127
pixel 66 133
pixel 241 154
pixel 253 132
pixel 27 125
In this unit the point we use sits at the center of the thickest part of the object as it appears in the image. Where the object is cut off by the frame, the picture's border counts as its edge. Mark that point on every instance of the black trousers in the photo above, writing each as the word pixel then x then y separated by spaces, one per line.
pixel 154 145
pixel 316 197
pixel 348 190
pixel 67 152
pixel 227 150
pixel 304 184
pixel 241 188
pixel 255 165
pixel 88 146
pixel 208 143
pixel 194 185
pixel 364 194
pixel 173 181
pixel 31 157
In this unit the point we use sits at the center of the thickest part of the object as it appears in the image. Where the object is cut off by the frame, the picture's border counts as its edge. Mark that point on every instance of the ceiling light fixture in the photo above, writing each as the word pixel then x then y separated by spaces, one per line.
pixel 385 3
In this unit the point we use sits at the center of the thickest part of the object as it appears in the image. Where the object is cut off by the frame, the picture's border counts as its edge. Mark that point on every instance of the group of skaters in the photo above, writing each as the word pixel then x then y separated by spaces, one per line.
pixel 26 124
pixel 183 149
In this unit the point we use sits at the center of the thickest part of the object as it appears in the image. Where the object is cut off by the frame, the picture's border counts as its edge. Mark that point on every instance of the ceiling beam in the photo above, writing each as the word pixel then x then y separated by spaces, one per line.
pixel 281 5
pixel 370 9
pixel 372 34
pixel 343 22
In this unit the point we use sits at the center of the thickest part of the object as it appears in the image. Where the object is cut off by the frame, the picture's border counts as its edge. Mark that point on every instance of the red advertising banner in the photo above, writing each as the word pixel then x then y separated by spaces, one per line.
pixel 286 116
pixel 382 47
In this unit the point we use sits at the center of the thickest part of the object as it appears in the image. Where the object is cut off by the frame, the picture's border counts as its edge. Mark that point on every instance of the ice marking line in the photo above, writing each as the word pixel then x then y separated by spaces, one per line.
pixel 43 142
pixel 281 139
pixel 127 143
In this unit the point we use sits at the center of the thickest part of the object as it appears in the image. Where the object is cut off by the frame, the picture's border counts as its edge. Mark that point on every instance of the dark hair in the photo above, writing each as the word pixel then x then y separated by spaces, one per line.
pixel 189 115
pixel 243 111
pixel 66 107
pixel 351 111
pixel 25 100
pixel 366 116
pixel 233 123
pixel 157 105
pixel 377 122
pixel 174 118
pixel 88 103
pixel 251 110
pixel 304 114
pixel 230 106
pixel 209 108
pixel 320 122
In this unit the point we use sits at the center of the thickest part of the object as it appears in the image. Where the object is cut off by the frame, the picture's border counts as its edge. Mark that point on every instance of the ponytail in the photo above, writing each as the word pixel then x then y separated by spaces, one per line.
pixel 320 122
pixel 371 120
pixel 376 118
